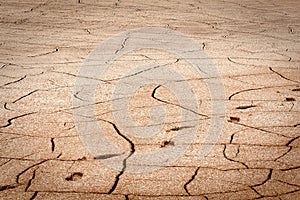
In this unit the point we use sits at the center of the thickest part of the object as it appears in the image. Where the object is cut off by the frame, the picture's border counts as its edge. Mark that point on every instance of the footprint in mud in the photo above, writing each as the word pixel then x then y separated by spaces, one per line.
pixel 74 176
pixel 290 99
pixel 234 119
pixel 166 143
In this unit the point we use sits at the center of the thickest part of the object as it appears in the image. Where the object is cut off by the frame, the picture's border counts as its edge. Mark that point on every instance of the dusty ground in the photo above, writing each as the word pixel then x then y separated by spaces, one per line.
pixel 255 46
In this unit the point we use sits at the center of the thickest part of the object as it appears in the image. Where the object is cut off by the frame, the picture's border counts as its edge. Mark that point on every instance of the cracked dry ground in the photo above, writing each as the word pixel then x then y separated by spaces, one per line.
pixel 255 46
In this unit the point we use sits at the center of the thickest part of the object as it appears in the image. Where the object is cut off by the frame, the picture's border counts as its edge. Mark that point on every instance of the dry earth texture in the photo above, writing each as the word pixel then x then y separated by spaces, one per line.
pixel 255 45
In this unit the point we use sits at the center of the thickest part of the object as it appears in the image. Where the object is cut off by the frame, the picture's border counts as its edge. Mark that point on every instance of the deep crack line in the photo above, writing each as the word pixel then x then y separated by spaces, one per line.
pixel 233 134
pixel 18 99
pixel 166 102
pixel 189 181
pixel 77 97
pixel 266 180
pixel 290 148
pixel 7 187
pixel 119 175
pixel 124 161
pixel 290 168
pixel 254 190
pixel 257 128
pixel 20 79
pixel 132 150
pixel 262 183
pixel 52 145
pixel 30 180
pixel 253 89
pixel 33 196
pixel 247 90
pixel 232 160
pixel 5 163
pixel 28 168
pixel 122 45
pixel 270 68
pixel 124 137
pixel 9 121
pixel 291 141
pixel 238 63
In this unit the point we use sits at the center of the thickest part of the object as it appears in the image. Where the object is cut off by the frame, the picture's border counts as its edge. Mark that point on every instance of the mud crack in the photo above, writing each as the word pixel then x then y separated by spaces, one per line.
pixel 12 82
pixel 167 102
pixel 272 70
pixel 189 181
pixel 122 45
pixel 9 121
pixel 132 150
pixel 30 180
pixel 232 160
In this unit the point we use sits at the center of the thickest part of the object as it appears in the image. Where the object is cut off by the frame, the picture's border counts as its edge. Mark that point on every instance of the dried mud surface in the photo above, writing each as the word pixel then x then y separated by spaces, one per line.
pixel 255 46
